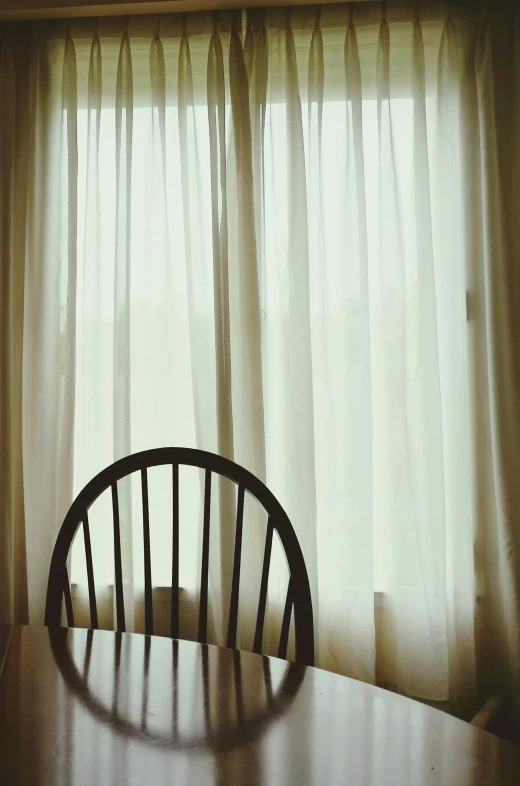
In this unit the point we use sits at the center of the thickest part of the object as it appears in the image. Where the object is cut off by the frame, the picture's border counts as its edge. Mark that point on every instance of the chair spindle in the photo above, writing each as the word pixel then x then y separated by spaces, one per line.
pixel 235 586
pixel 68 600
pixel 148 601
pixel 203 608
pixel 286 622
pixel 259 631
pixel 175 553
pixel 90 574
pixel 120 603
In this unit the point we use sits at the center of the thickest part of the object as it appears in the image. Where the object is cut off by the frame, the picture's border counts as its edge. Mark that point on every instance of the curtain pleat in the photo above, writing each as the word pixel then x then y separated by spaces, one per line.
pixel 217 143
pixel 248 85
pixel 210 421
pixel 122 417
pixel 288 237
pixel 49 308
pixel 427 449
pixel 68 251
pixel 393 467
pixel 161 236
pixel 122 273
pixel 246 261
pixel 450 278
pixel 503 529
pixel 223 361
pixel 7 332
pixel 247 108
pixel 13 580
pixel 256 59
pixel 297 394
pixel 92 207
pixel 200 287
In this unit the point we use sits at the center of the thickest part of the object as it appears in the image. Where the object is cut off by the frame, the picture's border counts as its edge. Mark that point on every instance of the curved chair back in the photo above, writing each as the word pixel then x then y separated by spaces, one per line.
pixel 298 598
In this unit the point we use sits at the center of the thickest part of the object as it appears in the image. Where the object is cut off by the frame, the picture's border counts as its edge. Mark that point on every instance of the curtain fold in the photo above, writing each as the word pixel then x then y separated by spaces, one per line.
pixel 49 308
pixel 450 278
pixel 501 531
pixel 13 193
pixel 288 237
pixel 122 355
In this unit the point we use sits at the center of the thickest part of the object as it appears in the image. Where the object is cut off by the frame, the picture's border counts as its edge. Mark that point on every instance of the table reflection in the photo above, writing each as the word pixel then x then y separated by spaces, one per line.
pixel 164 692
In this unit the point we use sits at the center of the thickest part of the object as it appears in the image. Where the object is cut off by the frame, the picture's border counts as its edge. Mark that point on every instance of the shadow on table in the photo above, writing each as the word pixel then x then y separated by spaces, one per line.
pixel 255 706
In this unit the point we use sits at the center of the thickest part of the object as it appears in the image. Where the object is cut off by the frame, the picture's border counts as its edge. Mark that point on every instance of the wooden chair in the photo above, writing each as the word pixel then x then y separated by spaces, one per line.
pixel 298 599
pixel 488 713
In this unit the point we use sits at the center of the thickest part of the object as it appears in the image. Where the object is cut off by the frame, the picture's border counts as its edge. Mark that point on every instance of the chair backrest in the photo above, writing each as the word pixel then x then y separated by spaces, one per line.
pixel 298 598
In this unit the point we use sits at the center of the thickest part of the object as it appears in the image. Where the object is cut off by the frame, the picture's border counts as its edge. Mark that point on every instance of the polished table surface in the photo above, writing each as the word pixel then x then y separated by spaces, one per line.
pixel 95 707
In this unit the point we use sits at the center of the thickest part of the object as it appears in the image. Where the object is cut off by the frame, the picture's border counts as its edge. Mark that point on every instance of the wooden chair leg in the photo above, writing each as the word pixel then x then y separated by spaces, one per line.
pixel 488 712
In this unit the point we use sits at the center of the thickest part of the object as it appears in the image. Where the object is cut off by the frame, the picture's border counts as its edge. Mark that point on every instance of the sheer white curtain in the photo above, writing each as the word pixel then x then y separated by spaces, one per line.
pixel 281 238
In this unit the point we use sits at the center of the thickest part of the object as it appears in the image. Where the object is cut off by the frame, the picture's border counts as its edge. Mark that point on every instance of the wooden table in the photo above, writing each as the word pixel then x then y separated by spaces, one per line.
pixel 94 707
